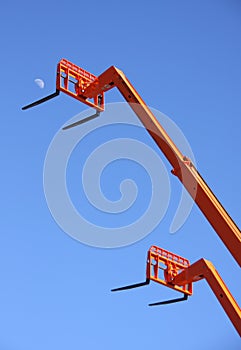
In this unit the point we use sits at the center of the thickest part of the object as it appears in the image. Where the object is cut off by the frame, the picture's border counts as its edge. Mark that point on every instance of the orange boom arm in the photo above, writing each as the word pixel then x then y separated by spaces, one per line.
pixel 89 89
pixel 182 166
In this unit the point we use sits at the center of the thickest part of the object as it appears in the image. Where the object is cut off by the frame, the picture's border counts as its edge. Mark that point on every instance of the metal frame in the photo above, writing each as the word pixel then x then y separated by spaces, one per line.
pixel 170 265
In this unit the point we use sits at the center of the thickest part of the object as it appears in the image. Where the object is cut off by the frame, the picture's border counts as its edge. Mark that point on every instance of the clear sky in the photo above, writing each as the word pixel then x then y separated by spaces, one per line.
pixel 183 57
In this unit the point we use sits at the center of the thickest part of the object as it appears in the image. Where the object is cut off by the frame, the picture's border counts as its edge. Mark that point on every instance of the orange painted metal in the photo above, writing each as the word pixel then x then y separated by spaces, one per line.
pixel 205 269
pixel 163 266
pixel 74 81
pixel 179 275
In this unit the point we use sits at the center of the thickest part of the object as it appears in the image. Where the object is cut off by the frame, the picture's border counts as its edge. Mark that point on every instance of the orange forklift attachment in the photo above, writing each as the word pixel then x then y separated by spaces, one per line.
pixel 74 81
pixel 158 260
pixel 179 275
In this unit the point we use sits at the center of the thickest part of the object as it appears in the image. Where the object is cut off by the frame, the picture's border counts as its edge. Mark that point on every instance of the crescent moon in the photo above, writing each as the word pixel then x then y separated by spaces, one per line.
pixel 39 82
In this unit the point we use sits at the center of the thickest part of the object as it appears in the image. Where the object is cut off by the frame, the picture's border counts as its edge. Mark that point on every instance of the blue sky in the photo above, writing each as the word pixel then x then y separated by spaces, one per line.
pixel 184 60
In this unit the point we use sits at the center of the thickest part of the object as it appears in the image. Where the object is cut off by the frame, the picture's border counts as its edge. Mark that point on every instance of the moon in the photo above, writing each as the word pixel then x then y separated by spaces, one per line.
pixel 39 82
